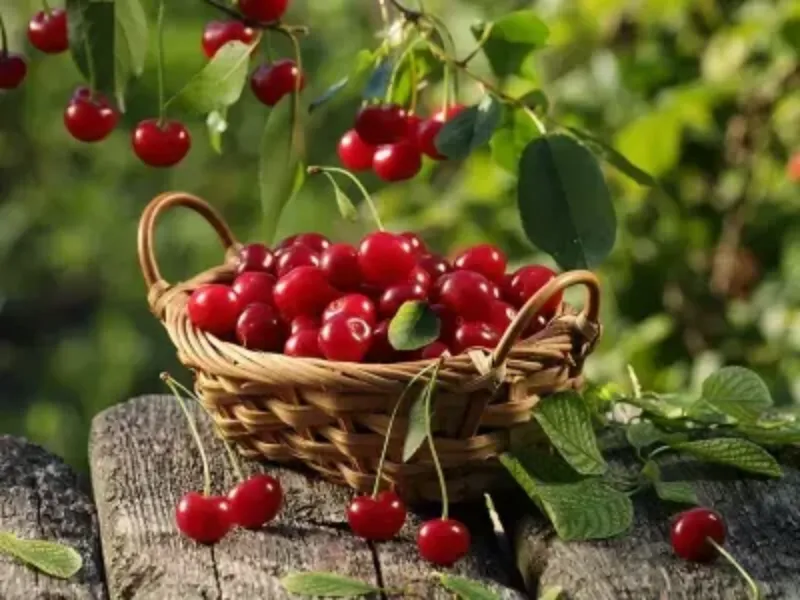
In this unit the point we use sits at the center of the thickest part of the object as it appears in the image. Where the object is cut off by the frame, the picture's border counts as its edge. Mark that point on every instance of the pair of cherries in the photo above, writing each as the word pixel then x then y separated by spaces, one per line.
pixel 441 541
pixel 391 141
pixel 47 32
pixel 251 504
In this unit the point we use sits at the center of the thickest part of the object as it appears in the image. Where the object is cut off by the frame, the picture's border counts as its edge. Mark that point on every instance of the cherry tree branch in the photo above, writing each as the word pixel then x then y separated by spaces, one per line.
pixel 273 25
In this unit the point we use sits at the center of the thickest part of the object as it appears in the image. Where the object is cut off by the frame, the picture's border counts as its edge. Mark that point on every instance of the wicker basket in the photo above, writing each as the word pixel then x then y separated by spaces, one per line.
pixel 333 416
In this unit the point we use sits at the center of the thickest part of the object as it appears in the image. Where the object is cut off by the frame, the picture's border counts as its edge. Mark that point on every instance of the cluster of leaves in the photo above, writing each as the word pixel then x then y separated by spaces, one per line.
pixel 585 497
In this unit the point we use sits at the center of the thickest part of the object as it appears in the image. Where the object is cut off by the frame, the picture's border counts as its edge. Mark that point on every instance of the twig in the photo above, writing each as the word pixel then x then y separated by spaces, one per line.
pixel 254 24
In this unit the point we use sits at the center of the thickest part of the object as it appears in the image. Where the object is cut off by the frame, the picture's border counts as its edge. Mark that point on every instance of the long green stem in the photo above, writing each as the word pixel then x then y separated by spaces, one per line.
pixel 3 38
pixel 447 97
pixel 407 54
pixel 46 7
pixel 755 592
pixel 387 437
pixel 367 198
pixel 431 445
pixel 197 440
pixel 235 465
pixel 162 105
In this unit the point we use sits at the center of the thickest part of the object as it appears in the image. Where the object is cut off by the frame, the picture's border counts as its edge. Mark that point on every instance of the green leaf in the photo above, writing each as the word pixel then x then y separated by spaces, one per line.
pixel 564 202
pixel 732 452
pixel 551 593
pixel 346 207
pixel 643 434
pixel 417 431
pixel 115 35
pixel 217 124
pixel 467 589
pixel 615 158
pixel 470 129
pixel 512 41
pixel 414 326
pixel 51 558
pixel 363 61
pixel 584 510
pixel 680 492
pixel 328 585
pixel 737 392
pixel 566 420
pixel 378 83
pixel 510 139
pixel 219 83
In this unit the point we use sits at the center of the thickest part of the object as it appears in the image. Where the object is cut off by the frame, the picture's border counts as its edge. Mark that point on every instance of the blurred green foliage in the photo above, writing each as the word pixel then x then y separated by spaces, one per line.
pixel 704 94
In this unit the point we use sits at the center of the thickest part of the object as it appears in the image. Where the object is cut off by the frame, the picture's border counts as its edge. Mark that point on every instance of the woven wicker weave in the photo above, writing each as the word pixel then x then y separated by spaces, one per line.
pixel 333 416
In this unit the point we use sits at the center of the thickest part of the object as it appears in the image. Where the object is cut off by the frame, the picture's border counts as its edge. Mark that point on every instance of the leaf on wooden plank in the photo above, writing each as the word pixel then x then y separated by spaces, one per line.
pixel 732 452
pixel 680 492
pixel 467 589
pixel 615 158
pixel 564 202
pixel 220 83
pixel 51 558
pixel 566 420
pixel 737 392
pixel 551 593
pixel 328 585
pixel 512 41
pixel 643 434
pixel 414 326
pixel 470 129
pixel 583 510
pixel 112 36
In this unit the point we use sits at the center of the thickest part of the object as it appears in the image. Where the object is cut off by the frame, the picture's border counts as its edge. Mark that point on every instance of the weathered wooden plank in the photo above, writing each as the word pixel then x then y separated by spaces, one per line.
pixel 763 519
pixel 143 460
pixel 41 498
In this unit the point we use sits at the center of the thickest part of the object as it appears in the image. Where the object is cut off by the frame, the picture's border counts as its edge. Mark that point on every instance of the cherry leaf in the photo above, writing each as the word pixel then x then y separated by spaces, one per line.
pixel 511 42
pixel 732 452
pixel 470 129
pixel 417 431
pixel 217 124
pixel 467 589
pixel 615 158
pixel 51 558
pixel 737 392
pixel 414 326
pixel 328 585
pixel 363 61
pixel 378 83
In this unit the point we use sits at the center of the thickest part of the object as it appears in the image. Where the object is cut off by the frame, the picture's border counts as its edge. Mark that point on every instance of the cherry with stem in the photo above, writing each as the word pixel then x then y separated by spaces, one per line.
pixel 314 170
pixel 755 592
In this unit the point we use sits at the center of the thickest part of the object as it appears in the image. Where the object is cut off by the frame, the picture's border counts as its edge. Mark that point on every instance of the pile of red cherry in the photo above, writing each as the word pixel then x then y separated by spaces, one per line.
pixel 314 299
pixel 91 117
pixel 391 141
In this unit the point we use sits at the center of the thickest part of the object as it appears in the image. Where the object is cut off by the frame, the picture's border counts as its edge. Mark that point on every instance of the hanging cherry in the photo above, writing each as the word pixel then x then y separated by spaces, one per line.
pixel 264 11
pixel 218 33
pixel 397 162
pixel 47 31
pixel 271 82
pixel 13 70
pixel 161 145
pixel 90 117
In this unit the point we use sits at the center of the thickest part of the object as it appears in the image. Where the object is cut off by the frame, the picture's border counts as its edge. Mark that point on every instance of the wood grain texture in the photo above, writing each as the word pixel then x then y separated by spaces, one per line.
pixel 763 519
pixel 143 459
pixel 42 498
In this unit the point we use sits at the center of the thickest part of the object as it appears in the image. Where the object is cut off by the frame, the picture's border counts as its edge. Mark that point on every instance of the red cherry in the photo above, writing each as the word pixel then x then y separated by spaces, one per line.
pixel 260 328
pixel 264 11
pixel 416 242
pixel 691 531
pixel 420 277
pixel 426 138
pixel 304 344
pixel 295 256
pixel 214 308
pixel 340 264
pixel 355 153
pixel 443 541
pixel 255 501
pixel 345 338
pixel 254 287
pixel 394 297
pixel 90 119
pixel 218 33
pixel 271 82
pixel 303 323
pixel 161 146
pixel 448 113
pixel 494 289
pixel 792 168
pixel 380 350
pixel 381 124
pixel 286 242
pixel 466 293
pixel 503 314
pixel 303 292
pixel 485 259
pixel 397 162
pixel 435 265
pixel 47 31
pixel 385 258
pixel 434 350
pixel 255 257
pixel 13 70
pixel 205 519
pixel 316 241
pixel 526 281
pixel 449 321
pixel 352 305
pixel 475 335
pixel 377 519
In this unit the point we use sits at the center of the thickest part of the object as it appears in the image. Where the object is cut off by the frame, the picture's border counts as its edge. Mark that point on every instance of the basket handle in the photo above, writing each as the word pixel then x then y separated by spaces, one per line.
pixel 589 315
pixel 159 204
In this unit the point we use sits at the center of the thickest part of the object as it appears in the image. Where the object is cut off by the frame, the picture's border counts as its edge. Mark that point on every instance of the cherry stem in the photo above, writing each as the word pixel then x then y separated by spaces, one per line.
pixel 487 31
pixel 195 433
pixel 384 13
pixel 162 105
pixel 754 590
pixel 636 387
pixel 429 435
pixel 46 6
pixel 3 38
pixel 235 465
pixel 387 437
pixel 407 54
pixel 314 170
